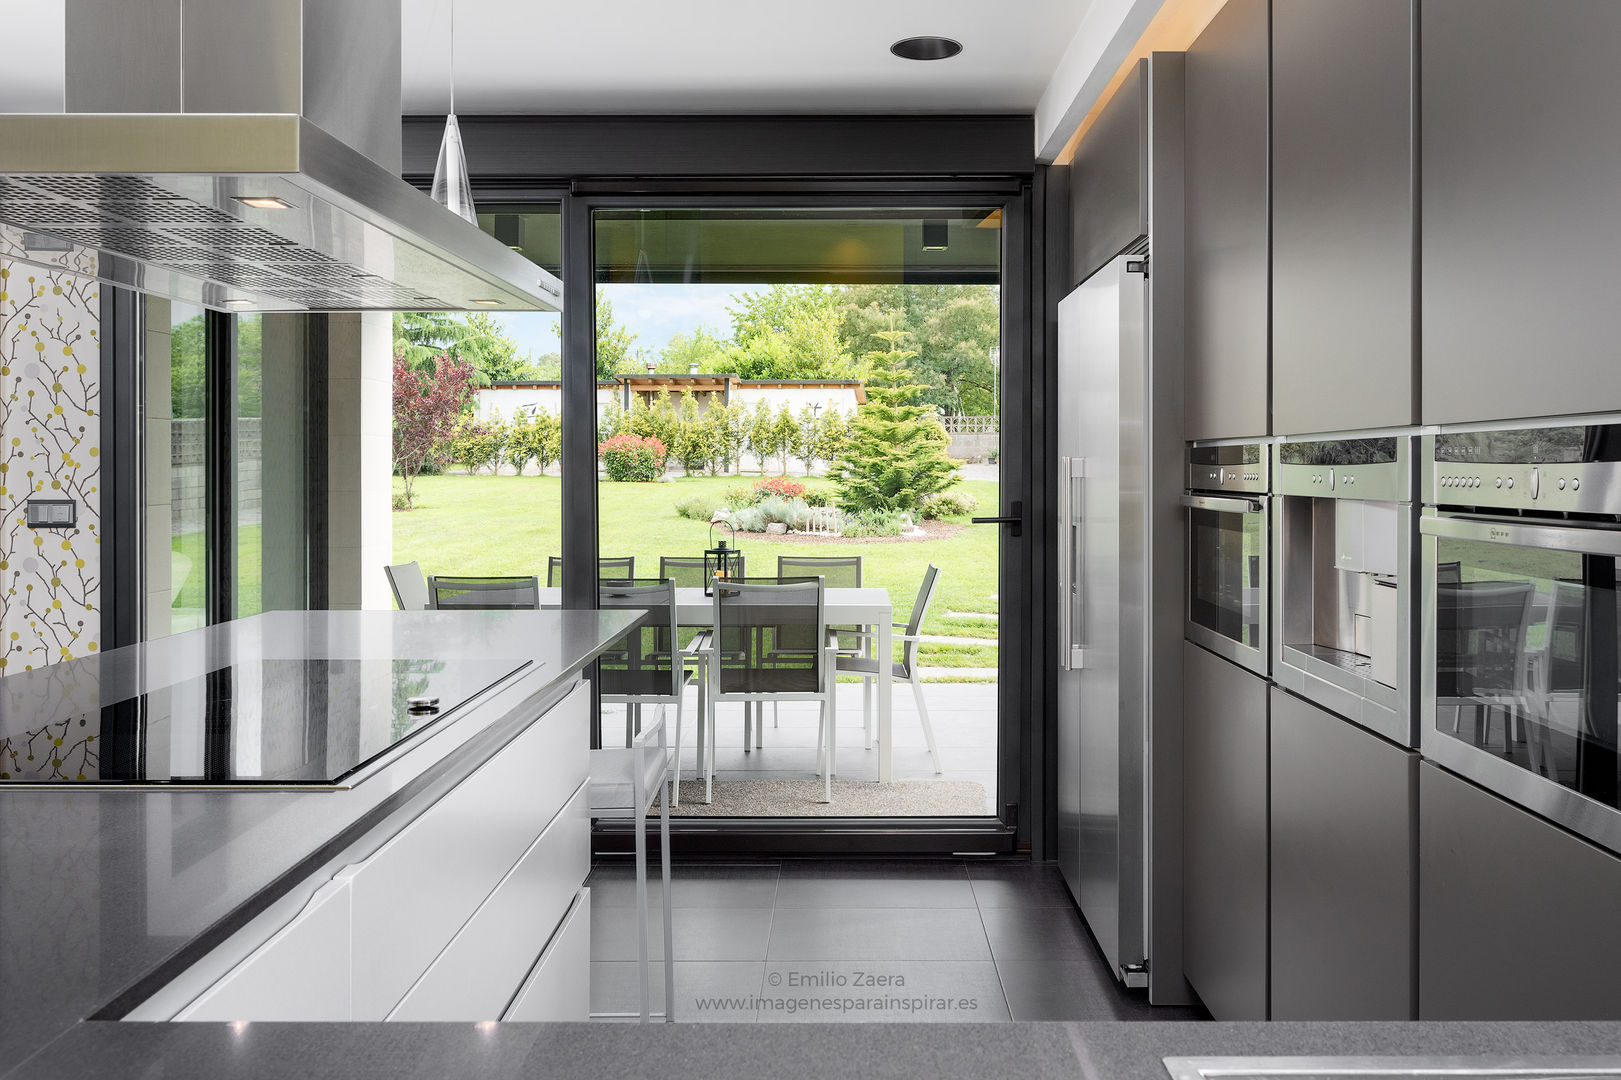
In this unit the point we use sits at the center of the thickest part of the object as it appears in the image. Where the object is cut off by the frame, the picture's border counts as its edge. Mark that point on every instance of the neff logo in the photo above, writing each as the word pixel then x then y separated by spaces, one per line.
pixel 1499 534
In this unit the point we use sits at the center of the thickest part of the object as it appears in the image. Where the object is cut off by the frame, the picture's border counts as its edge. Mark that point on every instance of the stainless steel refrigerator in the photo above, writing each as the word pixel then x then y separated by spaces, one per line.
pixel 1120 576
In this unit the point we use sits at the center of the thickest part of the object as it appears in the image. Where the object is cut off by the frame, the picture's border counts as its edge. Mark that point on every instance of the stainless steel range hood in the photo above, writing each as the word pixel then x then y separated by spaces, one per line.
pixel 244 156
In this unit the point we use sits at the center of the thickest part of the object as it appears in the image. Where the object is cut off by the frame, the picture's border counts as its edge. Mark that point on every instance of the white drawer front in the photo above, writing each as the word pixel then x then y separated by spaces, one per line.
pixel 477 975
pixel 301 973
pixel 413 895
pixel 559 988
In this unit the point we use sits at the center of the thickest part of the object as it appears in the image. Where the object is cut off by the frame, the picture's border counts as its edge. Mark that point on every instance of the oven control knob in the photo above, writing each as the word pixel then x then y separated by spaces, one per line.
pixel 1509 483
pixel 1575 485
pixel 1561 485
pixel 1499 481
pixel 1477 481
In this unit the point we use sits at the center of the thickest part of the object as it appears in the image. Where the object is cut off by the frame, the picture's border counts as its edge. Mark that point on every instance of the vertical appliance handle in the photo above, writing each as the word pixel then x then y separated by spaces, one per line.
pixel 1071 563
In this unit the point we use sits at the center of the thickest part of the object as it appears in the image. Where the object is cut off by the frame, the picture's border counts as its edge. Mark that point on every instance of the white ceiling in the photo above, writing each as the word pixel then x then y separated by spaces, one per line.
pixel 731 56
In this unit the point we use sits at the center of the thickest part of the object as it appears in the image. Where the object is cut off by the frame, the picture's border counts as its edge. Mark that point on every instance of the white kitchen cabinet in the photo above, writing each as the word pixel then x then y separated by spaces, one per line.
pixel 419 889
pixel 301 973
pixel 558 987
pixel 445 920
pixel 479 972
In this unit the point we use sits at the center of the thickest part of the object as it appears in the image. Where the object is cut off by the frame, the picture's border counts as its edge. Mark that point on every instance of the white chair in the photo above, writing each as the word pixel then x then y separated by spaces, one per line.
pixel 410 587
pixel 908 670
pixel 770 644
pixel 626 781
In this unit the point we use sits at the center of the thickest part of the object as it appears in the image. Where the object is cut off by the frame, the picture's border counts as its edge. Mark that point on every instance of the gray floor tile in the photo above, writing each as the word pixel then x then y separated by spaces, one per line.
pixel 876 884
pixel 1019 884
pixel 1077 990
pixel 705 991
pixel 694 885
pixel 1052 933
pixel 700 934
pixel 903 991
pixel 873 934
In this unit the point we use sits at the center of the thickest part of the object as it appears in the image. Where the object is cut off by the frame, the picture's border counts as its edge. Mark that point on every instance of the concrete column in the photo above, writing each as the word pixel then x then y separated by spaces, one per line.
pixel 360 418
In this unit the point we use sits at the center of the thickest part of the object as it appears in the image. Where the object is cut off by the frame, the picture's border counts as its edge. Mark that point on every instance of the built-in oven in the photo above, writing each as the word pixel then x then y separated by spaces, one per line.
pixel 1227 558
pixel 1344 570
pixel 1521 654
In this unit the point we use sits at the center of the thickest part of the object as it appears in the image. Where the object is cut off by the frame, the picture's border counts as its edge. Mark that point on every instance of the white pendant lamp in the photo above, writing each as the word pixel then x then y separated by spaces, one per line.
pixel 451 187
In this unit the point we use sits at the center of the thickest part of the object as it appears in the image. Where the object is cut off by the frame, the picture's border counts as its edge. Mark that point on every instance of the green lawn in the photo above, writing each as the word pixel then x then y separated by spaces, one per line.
pixel 249 570
pixel 510 524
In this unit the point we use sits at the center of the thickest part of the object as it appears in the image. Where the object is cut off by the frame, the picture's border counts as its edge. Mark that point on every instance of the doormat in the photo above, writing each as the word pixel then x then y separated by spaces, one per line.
pixel 851 798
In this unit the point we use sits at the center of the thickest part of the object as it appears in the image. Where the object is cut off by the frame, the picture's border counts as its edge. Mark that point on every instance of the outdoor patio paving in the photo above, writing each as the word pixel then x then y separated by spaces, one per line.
pixel 964 716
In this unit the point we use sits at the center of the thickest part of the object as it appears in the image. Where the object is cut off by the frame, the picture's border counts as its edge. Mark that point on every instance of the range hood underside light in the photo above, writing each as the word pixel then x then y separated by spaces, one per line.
pixel 262 213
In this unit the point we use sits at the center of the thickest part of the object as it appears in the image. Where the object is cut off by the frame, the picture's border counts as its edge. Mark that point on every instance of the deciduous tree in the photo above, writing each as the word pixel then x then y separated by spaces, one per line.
pixel 426 410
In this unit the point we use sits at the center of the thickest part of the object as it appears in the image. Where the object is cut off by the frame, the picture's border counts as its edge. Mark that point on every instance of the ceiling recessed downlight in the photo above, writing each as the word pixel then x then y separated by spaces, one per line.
pixel 238 303
pixel 263 202
pixel 926 47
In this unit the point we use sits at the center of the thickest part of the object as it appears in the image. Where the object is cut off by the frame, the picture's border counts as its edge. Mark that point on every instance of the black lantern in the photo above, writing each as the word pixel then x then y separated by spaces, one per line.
pixel 720 560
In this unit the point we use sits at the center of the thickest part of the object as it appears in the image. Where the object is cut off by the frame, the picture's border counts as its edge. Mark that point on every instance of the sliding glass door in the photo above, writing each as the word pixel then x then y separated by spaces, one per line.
pixel 818 389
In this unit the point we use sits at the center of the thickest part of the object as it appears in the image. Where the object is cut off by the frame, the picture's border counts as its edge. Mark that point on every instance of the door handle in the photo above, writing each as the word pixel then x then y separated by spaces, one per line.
pixel 1014 522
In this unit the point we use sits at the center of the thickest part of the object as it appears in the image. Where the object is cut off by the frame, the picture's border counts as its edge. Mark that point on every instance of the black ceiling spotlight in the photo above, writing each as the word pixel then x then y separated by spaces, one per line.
pixel 926 47
pixel 935 236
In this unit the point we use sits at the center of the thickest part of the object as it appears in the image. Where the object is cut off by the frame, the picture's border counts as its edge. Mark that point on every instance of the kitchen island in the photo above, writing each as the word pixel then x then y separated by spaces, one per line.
pixel 109 896
pixel 108 893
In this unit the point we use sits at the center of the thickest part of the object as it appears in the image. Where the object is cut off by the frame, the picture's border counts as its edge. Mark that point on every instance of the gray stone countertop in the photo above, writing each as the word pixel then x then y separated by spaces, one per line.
pixel 105 894
pixel 1095 1051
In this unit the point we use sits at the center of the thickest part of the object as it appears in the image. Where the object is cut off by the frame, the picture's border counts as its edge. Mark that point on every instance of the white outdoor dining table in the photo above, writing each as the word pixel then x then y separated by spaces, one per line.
pixel 842 607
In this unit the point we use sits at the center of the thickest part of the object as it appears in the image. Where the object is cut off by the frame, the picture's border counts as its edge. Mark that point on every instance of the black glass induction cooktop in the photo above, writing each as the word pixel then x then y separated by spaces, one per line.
pixel 272 723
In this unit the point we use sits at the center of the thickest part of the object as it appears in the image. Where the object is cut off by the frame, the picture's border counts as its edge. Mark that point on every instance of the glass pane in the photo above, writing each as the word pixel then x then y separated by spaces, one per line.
pixel 188 480
pixel 1526 659
pixel 1224 573
pixel 249 456
pixel 819 390
pixel 479 429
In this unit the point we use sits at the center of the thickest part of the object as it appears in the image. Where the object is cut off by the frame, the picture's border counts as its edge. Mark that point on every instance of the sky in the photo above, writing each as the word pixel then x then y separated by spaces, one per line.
pixel 652 312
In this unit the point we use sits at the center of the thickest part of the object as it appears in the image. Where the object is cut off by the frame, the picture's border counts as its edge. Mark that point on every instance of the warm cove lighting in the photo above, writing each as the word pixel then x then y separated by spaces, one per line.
pixel 263 202
pixel 488 303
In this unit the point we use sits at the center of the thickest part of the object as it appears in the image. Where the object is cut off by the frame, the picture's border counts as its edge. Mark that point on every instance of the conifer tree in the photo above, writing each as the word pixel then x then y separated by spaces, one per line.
pixel 894 449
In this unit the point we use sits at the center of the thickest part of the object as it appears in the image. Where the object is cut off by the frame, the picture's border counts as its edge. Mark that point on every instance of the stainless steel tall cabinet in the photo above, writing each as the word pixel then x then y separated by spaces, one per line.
pixel 1343 862
pixel 1119 768
pixel 1517 918
pixel 1108 190
pixel 1224 834
pixel 1521 153
pixel 1342 215
pixel 1226 386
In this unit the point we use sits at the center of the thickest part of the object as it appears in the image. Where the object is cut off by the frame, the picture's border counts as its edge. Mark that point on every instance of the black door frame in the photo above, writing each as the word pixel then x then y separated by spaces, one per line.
pixel 1020 763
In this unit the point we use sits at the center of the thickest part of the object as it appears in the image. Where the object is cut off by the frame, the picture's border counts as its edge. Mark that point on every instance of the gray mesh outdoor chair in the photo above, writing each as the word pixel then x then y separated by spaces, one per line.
pixel 647 671
pixel 608 569
pixel 687 571
pixel 453 591
pixel 769 645
pixel 908 670
pixel 409 586
pixel 836 572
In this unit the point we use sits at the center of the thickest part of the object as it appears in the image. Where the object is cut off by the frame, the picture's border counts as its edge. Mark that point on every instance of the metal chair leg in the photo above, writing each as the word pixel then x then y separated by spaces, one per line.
pixel 669 920
pixel 642 913
pixel 928 728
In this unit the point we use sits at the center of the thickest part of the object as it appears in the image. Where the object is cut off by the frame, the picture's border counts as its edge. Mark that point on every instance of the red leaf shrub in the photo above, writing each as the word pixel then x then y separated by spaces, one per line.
pixel 780 486
pixel 633 458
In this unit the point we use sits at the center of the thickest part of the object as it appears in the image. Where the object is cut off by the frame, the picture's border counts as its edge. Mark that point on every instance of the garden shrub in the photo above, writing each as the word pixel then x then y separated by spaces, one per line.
pixel 876 523
pixel 773 508
pixel 780 486
pixel 401 502
pixel 818 496
pixel 749 519
pixel 739 497
pixel 944 504
pixel 698 507
pixel 633 458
